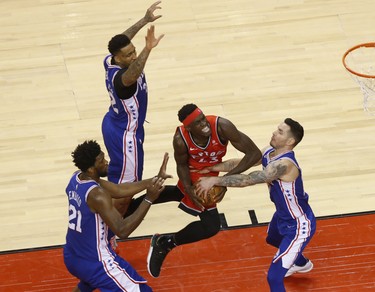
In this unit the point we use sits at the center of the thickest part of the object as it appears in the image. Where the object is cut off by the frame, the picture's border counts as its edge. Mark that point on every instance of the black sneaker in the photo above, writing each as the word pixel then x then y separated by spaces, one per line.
pixel 156 254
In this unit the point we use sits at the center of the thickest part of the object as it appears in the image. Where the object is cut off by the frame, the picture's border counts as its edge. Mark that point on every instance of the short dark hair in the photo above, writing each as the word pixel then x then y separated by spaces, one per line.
pixel 296 129
pixel 186 110
pixel 84 156
pixel 117 43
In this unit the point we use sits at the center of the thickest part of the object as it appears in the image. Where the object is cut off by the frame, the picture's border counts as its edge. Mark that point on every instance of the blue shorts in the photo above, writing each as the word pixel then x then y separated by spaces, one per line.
pixel 291 237
pixel 121 276
pixel 125 151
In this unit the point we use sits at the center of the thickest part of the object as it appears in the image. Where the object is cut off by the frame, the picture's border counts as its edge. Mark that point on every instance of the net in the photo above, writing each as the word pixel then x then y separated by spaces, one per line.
pixel 360 62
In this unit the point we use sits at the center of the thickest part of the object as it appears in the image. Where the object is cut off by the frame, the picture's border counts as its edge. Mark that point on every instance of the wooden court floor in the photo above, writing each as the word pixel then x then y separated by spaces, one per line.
pixel 253 62
pixel 237 259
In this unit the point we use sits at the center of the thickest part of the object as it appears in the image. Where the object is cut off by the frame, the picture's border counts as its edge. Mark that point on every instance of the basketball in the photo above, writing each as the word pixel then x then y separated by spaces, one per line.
pixel 211 197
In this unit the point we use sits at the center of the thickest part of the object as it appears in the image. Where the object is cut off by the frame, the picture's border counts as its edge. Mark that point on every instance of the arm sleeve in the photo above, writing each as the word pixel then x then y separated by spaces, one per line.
pixel 124 92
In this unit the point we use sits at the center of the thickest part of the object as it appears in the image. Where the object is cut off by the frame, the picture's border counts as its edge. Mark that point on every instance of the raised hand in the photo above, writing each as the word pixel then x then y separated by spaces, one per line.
pixel 154 189
pixel 149 16
pixel 151 40
pixel 163 168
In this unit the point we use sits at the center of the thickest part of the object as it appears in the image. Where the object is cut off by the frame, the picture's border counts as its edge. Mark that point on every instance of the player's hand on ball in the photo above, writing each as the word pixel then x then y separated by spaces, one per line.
pixel 205 184
pixel 214 195
pixel 197 200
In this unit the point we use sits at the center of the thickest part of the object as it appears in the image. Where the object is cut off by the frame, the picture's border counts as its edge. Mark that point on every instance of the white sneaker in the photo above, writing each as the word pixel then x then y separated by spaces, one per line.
pixel 297 269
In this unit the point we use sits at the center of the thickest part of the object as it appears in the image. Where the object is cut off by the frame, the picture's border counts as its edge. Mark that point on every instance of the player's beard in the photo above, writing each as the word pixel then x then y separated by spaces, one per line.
pixel 104 173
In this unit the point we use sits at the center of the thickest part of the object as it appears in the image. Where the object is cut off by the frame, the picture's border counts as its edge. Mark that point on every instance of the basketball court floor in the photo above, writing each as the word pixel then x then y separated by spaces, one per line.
pixel 253 62
pixel 343 253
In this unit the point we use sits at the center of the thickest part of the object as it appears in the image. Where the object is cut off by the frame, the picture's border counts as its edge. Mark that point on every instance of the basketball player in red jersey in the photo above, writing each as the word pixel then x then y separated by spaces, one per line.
pixel 200 142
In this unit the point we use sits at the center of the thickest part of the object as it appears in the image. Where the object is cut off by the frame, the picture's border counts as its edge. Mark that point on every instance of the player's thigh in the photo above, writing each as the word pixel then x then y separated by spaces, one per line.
pixel 274 237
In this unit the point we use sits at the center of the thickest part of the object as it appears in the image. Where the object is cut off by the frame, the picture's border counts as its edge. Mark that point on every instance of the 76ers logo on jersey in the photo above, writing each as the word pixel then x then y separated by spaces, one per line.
pixel 207 157
pixel 142 83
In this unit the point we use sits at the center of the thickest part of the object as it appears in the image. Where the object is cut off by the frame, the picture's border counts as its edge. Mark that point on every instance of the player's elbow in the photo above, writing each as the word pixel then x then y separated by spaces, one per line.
pixel 124 233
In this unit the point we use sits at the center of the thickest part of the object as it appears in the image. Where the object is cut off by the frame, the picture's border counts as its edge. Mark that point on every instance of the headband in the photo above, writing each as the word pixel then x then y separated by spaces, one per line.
pixel 191 117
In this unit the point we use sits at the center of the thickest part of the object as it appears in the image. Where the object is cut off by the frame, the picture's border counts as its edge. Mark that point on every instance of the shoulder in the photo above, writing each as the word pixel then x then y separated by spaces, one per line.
pixel 227 130
pixel 177 138
pixel 109 64
pixel 180 145
pixel 107 59
pixel 277 169
pixel 96 197
pixel 225 125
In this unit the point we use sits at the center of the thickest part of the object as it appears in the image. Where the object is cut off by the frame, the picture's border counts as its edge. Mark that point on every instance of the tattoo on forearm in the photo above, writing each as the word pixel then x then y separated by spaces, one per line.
pixel 229 165
pixel 137 66
pixel 257 177
pixel 133 30
pixel 236 180
pixel 241 180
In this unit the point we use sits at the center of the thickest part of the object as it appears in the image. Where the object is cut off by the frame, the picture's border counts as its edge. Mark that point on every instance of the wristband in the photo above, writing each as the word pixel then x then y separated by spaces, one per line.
pixel 147 201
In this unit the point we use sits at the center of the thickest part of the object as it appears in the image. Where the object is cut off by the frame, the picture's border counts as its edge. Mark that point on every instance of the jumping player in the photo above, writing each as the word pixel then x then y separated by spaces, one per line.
pixel 293 224
pixel 122 126
pixel 201 141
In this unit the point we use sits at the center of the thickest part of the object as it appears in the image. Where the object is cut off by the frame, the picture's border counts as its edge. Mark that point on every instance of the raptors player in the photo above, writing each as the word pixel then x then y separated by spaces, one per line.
pixel 200 142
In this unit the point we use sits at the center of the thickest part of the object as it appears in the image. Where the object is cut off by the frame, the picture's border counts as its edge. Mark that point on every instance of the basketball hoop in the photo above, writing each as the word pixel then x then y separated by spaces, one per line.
pixel 360 63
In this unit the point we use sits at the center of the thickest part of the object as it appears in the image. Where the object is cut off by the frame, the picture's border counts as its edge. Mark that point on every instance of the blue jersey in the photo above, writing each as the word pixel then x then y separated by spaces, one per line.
pixel 290 198
pixel 129 114
pixel 292 225
pixel 123 128
pixel 88 254
pixel 87 234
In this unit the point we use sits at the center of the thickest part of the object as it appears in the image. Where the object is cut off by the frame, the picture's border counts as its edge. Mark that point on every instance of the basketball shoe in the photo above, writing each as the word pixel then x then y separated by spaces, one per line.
pixel 157 253
pixel 298 269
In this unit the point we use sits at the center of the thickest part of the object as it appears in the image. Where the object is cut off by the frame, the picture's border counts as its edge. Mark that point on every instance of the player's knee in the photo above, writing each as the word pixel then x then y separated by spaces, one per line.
pixel 212 226
pixel 211 222
pixel 213 229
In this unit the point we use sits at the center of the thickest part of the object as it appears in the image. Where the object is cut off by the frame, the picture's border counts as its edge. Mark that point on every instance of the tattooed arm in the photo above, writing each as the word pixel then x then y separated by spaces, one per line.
pixel 135 69
pixel 275 170
pixel 271 172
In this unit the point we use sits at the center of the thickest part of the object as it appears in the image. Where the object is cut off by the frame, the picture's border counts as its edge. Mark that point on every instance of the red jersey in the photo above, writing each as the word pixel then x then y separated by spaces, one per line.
pixel 201 157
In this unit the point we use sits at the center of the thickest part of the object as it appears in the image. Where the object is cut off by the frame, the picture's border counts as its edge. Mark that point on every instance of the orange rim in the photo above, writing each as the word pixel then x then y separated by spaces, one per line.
pixel 367 45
